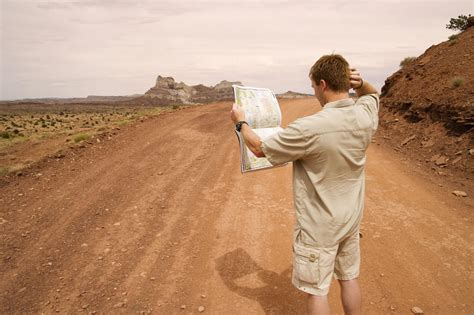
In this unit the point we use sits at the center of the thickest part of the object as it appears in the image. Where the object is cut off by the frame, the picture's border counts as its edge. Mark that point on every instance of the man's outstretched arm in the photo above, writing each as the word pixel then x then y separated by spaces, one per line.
pixel 252 140
pixel 360 86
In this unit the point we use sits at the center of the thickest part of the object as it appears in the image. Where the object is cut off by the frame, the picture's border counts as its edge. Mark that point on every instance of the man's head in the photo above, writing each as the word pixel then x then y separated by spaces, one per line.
pixel 330 76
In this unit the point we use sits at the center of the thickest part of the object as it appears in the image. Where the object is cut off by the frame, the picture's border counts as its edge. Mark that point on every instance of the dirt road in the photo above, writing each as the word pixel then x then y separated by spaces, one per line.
pixel 158 217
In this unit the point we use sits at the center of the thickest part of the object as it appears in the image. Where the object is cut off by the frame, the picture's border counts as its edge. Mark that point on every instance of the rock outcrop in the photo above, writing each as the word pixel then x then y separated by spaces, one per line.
pixel 168 91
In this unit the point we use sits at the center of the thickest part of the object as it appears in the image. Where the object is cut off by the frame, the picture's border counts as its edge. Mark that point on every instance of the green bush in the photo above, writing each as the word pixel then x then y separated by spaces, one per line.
pixel 407 61
pixel 452 37
pixel 81 137
pixel 457 82
pixel 458 24
pixel 5 134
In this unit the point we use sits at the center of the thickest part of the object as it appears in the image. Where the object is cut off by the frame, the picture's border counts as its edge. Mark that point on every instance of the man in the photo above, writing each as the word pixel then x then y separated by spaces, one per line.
pixel 328 154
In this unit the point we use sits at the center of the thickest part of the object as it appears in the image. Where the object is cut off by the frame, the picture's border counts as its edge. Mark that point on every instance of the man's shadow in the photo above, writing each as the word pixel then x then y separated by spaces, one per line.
pixel 276 296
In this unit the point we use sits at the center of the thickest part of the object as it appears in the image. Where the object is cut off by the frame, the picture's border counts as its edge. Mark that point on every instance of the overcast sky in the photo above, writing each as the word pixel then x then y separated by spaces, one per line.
pixel 75 48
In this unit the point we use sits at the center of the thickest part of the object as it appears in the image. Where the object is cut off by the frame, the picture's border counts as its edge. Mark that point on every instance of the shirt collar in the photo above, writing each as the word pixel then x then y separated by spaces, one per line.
pixel 340 103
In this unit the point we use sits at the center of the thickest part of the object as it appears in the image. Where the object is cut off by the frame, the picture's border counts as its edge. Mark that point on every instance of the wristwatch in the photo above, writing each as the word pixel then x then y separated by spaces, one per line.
pixel 238 125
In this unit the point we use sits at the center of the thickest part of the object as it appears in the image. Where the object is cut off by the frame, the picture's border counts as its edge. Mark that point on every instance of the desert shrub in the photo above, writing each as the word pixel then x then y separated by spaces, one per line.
pixel 16 131
pixel 81 137
pixel 407 61
pixel 457 82
pixel 175 106
pixel 61 113
pixel 458 24
pixel 44 125
pixel 48 117
pixel 14 124
pixel 4 170
pixel 452 42
pixel 453 37
pixel 5 134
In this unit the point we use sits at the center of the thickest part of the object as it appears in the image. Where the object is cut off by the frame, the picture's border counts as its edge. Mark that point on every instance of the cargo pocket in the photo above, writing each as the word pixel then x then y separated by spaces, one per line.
pixel 306 263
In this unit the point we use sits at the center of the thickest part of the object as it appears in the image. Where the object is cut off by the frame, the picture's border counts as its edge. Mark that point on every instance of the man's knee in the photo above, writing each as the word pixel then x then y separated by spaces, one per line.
pixel 350 282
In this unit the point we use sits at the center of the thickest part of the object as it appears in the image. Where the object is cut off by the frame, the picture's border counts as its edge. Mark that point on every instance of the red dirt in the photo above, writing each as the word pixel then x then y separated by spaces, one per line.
pixel 160 216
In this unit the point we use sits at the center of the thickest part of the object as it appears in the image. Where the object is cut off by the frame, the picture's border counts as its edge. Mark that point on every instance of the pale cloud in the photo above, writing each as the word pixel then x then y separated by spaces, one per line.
pixel 106 47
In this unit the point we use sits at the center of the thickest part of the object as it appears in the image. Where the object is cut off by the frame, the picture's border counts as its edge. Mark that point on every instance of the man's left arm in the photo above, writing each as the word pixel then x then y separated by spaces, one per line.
pixel 252 140
pixel 285 146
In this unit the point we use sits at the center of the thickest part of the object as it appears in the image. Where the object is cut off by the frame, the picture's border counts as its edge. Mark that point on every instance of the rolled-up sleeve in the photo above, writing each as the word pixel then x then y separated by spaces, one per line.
pixel 285 146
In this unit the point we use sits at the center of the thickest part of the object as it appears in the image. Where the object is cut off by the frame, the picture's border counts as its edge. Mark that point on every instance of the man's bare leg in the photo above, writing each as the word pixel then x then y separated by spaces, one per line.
pixel 351 297
pixel 318 305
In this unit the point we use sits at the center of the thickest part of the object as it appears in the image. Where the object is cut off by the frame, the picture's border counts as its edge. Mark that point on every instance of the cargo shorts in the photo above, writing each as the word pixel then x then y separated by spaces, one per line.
pixel 313 267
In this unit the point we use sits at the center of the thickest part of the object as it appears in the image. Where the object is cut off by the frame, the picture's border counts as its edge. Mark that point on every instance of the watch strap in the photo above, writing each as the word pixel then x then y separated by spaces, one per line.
pixel 238 126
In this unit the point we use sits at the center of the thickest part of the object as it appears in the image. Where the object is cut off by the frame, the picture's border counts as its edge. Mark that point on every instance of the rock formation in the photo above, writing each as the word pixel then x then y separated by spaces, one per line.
pixel 292 95
pixel 167 90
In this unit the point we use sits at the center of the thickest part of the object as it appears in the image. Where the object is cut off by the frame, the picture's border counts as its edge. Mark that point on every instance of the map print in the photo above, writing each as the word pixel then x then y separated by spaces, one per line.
pixel 260 106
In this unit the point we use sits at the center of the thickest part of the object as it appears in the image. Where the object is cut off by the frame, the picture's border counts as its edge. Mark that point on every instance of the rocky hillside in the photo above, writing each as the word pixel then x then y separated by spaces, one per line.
pixel 168 91
pixel 428 107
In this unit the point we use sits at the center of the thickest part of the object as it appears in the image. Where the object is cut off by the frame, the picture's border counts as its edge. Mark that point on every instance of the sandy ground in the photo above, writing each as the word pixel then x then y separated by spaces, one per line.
pixel 159 217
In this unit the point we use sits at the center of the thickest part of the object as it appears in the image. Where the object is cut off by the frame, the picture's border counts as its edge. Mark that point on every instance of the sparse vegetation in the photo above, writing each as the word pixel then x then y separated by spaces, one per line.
pixel 20 123
pixel 81 137
pixel 4 170
pixel 458 24
pixel 453 37
pixel 453 42
pixel 407 61
pixel 457 82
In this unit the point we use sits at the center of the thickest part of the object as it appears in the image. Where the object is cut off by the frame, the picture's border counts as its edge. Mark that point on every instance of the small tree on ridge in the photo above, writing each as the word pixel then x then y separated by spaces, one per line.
pixel 460 23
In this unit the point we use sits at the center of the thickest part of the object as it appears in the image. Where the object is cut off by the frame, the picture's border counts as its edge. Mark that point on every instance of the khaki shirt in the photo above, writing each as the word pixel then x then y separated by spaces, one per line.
pixel 328 154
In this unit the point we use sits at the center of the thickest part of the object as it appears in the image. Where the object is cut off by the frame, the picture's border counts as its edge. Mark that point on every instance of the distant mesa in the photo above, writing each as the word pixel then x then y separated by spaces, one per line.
pixel 167 90
pixel 292 95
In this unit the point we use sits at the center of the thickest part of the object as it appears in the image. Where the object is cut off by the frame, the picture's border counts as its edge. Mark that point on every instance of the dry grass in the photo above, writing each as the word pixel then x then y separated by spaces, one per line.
pixel 407 61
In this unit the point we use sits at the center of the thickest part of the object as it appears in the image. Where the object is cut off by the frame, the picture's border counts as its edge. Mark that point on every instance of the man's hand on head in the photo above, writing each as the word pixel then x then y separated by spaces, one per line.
pixel 360 86
pixel 237 114
pixel 356 79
